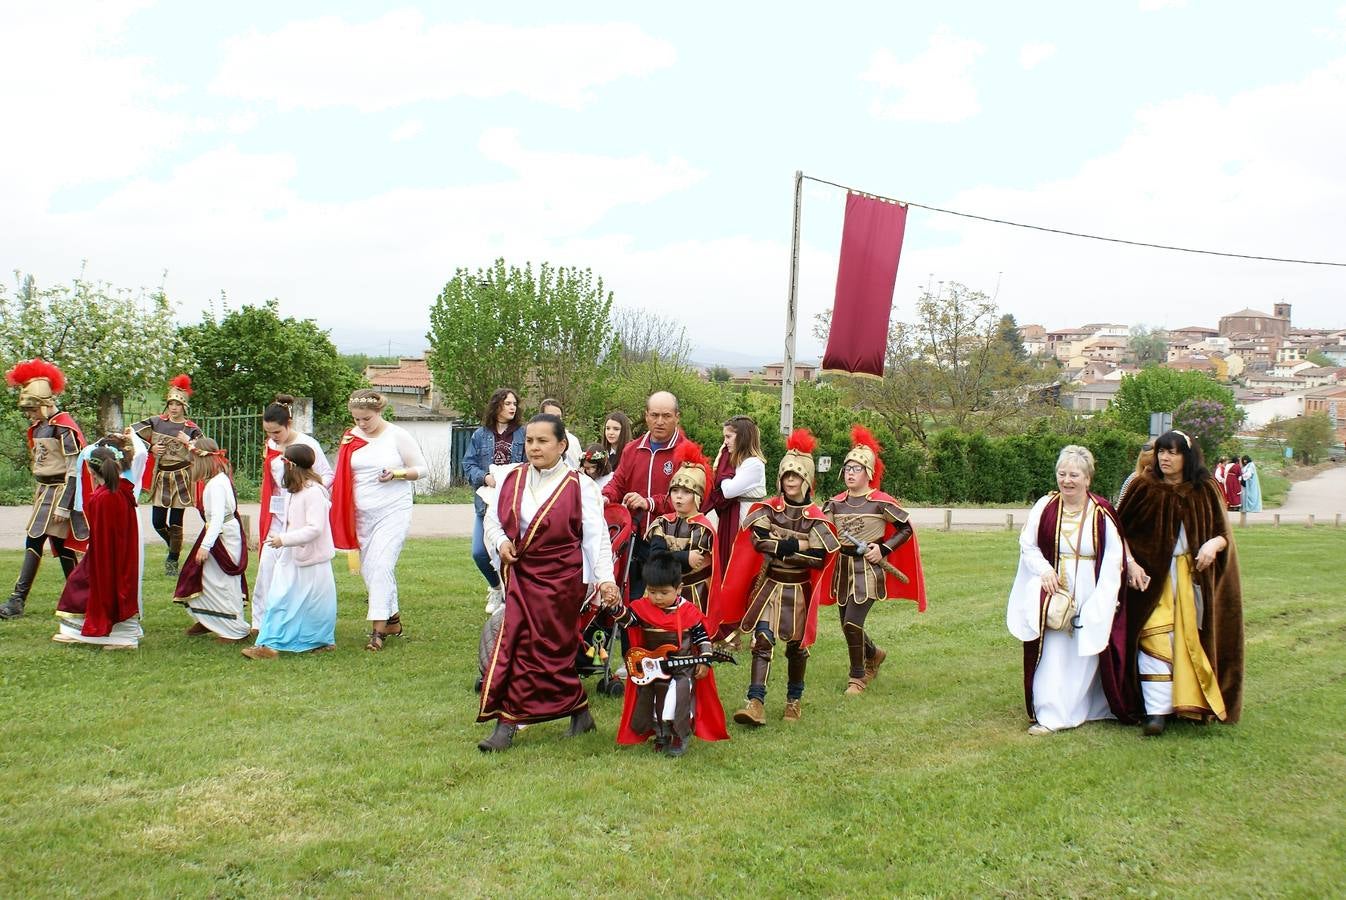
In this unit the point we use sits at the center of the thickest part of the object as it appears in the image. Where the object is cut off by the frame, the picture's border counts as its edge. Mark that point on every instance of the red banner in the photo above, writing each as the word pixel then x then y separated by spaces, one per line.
pixel 871 243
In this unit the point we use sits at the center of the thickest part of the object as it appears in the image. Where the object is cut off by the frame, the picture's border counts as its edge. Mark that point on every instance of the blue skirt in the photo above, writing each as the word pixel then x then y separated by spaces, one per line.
pixel 301 606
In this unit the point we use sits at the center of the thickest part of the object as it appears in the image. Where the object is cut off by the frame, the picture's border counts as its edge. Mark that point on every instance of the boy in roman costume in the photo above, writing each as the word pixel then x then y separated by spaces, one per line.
pixel 778 573
pixel 685 533
pixel 54 445
pixel 169 477
pixel 879 559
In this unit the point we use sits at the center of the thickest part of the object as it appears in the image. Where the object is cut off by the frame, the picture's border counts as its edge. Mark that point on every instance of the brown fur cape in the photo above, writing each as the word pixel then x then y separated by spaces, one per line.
pixel 1151 513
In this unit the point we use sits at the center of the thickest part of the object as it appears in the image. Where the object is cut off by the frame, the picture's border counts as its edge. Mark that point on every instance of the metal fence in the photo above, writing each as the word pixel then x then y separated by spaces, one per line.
pixel 238 431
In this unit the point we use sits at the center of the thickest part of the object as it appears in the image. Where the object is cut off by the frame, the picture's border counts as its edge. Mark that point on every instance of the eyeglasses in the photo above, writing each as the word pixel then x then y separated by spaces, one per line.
pixel 853 467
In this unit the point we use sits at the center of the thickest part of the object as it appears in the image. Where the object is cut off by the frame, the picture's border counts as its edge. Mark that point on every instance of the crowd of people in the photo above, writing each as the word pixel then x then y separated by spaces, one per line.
pixel 1132 612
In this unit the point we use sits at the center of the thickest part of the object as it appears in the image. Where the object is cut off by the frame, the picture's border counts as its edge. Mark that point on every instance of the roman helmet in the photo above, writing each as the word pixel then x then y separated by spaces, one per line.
pixel 865 451
pixel 38 382
pixel 798 457
pixel 179 389
pixel 693 469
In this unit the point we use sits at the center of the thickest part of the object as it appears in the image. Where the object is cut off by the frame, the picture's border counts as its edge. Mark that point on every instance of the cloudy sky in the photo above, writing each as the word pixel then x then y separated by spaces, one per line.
pixel 347 157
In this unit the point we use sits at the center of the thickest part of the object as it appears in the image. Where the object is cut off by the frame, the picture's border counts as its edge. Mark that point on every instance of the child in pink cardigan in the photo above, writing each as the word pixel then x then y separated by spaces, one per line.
pixel 301 603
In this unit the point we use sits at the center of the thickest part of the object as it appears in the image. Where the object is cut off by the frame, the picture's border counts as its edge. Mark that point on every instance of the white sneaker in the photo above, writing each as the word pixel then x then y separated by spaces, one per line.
pixel 495 600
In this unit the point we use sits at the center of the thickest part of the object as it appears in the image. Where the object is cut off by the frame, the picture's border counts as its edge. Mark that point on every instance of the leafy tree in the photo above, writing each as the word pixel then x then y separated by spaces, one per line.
pixel 953 367
pixel 358 362
pixel 109 341
pixel 1319 358
pixel 1010 337
pixel 1205 421
pixel 1159 389
pixel 720 375
pixel 546 333
pixel 1149 346
pixel 248 355
pixel 1310 436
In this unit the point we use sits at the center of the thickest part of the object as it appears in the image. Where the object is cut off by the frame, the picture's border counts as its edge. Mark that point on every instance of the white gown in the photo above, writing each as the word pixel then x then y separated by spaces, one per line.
pixel 280 498
pixel 1067 689
pixel 220 605
pixel 383 512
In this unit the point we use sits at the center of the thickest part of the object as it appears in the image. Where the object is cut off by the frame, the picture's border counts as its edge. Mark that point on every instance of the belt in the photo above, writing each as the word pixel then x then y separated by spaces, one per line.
pixel 49 479
pixel 789 577
pixel 176 468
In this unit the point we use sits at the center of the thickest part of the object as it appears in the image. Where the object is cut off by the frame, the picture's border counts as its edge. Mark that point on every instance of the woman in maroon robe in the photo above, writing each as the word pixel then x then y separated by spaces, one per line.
pixel 547 524
pixel 103 593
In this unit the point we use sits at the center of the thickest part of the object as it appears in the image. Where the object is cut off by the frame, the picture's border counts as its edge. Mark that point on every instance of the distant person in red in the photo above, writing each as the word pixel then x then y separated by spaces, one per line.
pixel 641 480
pixel 102 595
pixel 1233 485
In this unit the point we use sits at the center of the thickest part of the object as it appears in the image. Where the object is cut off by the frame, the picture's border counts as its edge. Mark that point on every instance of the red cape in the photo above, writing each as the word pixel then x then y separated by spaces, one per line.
pixel 268 488
pixel 744 564
pixel 104 587
pixel 708 721
pixel 147 479
pixel 907 560
pixel 342 515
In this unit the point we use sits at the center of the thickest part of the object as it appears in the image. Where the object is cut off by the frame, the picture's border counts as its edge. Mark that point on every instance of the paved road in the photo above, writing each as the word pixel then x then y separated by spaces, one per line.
pixel 1323 496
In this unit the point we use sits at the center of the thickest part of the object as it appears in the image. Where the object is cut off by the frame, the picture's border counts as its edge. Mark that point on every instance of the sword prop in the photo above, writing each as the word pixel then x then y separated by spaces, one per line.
pixel 863 547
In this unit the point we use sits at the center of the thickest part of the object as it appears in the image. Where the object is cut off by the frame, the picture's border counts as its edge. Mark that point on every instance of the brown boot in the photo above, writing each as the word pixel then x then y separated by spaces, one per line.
pixel 752 713
pixel 873 662
pixel 792 711
pixel 196 630
pixel 580 723
pixel 855 686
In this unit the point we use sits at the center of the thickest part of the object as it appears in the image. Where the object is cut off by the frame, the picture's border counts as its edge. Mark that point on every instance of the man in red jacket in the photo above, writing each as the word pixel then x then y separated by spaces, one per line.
pixel 641 480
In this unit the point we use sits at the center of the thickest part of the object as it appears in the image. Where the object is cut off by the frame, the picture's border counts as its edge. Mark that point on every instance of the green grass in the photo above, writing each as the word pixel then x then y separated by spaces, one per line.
pixel 184 769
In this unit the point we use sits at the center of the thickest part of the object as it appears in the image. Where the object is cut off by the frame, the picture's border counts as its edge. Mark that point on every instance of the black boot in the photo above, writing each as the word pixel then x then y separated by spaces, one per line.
pixel 500 739
pixel 581 722
pixel 13 607
pixel 1153 726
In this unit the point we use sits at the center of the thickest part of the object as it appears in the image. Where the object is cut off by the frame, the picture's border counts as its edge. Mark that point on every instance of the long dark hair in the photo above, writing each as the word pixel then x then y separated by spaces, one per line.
pixel 493 408
pixel 278 411
pixel 622 439
pixel 1193 466
pixel 105 464
pixel 747 440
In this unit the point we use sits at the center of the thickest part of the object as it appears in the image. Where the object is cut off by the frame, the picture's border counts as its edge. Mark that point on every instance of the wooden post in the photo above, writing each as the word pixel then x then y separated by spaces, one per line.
pixel 1311 522
pixel 948 520
pixel 1009 521
pixel 1243 519
pixel 1276 520
pixel 1336 521
pixel 787 385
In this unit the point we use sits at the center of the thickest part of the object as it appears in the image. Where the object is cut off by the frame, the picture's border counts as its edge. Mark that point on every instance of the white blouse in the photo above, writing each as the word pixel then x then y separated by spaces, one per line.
pixel 279 495
pixel 218 502
pixel 539 485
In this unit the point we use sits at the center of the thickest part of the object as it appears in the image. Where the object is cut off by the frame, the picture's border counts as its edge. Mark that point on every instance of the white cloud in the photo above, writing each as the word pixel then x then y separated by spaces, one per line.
pixel 1257 174
pixel 934 86
pixel 1033 55
pixel 401 59
pixel 407 130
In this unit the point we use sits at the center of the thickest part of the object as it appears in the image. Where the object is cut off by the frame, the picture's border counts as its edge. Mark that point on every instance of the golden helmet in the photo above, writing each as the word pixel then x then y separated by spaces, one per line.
pixel 38 382
pixel 798 456
pixel 179 389
pixel 693 470
pixel 865 451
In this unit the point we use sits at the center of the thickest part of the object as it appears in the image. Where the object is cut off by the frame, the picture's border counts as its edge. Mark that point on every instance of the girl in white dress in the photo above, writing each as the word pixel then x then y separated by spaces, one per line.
pixel 1062 685
pixel 212 583
pixel 371 504
pixel 280 434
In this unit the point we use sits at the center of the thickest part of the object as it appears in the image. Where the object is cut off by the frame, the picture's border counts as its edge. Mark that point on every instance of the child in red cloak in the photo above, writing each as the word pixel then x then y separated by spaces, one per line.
pixel 687 534
pixel 671 709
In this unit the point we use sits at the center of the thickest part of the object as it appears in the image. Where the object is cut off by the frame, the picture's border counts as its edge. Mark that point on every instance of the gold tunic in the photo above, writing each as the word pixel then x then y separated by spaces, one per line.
pixel 681 537
pixel 864 519
pixel 172 483
pixel 780 597
pixel 54 460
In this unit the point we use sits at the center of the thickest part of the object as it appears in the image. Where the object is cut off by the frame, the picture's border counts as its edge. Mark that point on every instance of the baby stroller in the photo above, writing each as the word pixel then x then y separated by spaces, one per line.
pixel 598 631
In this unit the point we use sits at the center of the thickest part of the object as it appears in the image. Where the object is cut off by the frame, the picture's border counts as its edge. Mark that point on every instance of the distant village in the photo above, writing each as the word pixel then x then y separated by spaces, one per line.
pixel 1261 356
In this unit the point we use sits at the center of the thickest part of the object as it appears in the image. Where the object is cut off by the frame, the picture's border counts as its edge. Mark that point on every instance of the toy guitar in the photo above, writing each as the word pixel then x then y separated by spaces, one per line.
pixel 644 666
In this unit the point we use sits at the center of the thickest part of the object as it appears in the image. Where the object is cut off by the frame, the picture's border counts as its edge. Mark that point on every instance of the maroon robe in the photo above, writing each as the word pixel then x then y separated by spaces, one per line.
pixel 1110 664
pixel 726 508
pixel 531 676
pixel 105 586
pixel 1233 484
pixel 189 577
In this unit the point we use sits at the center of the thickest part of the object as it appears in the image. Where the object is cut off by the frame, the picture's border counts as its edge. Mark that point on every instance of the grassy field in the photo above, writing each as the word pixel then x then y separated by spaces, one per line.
pixel 184 769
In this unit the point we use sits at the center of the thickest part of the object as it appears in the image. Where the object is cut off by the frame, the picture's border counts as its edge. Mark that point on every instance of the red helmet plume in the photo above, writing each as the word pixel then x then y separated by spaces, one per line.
pixel 863 437
pixel 26 371
pixel 801 439
pixel 182 383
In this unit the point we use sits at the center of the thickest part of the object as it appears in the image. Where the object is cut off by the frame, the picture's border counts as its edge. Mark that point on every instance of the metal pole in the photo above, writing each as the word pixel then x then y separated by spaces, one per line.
pixel 787 386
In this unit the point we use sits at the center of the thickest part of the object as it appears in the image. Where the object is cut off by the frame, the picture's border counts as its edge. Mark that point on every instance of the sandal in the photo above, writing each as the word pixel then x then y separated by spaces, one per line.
pixel 395 621
pixel 375 641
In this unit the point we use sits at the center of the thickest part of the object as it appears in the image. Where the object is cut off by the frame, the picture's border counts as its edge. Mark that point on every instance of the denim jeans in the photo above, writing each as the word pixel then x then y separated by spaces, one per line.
pixel 479 554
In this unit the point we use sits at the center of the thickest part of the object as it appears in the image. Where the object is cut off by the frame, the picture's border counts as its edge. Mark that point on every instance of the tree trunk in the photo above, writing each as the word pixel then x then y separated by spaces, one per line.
pixel 109 414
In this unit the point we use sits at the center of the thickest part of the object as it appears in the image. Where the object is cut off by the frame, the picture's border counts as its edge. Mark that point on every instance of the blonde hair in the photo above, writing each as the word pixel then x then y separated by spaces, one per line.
pixel 1079 455
pixel 366 398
